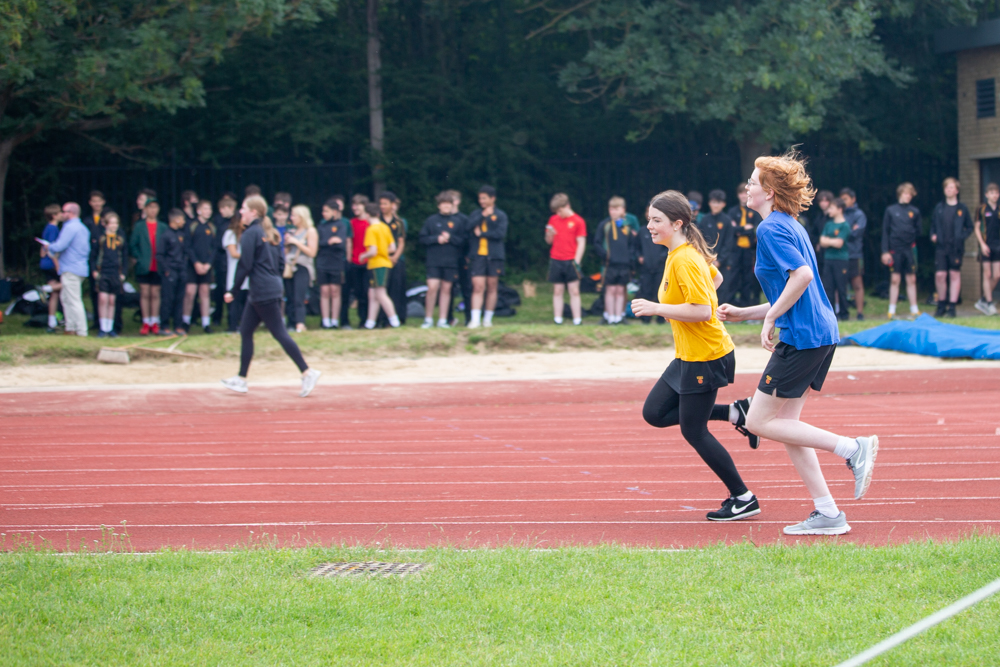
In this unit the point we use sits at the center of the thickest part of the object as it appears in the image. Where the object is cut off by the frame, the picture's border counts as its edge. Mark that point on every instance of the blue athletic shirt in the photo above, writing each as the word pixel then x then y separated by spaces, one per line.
pixel 782 246
pixel 50 234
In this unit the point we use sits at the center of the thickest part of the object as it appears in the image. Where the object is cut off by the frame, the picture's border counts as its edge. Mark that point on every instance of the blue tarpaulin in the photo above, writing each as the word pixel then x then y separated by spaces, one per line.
pixel 927 336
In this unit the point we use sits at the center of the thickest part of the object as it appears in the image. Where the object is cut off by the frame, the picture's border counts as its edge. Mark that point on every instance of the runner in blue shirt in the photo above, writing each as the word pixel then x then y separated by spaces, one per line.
pixel 779 190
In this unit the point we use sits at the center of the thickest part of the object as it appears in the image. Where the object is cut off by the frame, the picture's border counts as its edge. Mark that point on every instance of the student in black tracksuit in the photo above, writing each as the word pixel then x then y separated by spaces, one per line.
pixel 745 253
pixel 109 263
pixel 720 234
pixel 171 263
pixel 487 232
pixel 987 230
pixel 613 246
pixel 951 224
pixel 202 243
pixel 444 237
pixel 331 261
pixel 652 259
pixel 900 227
pixel 223 219
pixel 260 262
pixel 464 283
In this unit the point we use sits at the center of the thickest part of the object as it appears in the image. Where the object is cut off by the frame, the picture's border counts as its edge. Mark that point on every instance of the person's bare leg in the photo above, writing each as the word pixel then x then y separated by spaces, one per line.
pixel 911 290
pixel 145 300
pixel 204 294
pixel 373 303
pixel 111 308
pixel 478 292
pixel 433 285
pixel 955 287
pixel 767 420
pixel 324 302
pixel 492 284
pixel 941 284
pixel 893 289
pixel 335 292
pixel 557 300
pixel 154 300
pixel 102 306
pixel 444 299
pixel 574 300
pixel 383 297
pixel 190 290
pixel 859 293
pixel 804 458
pixel 54 298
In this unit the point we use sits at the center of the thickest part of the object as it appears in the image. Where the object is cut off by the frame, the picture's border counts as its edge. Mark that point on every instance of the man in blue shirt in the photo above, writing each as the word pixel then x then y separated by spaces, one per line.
pixel 73 248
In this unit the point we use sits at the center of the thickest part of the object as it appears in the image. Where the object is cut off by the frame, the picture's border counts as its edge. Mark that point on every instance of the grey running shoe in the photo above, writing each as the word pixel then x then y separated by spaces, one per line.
pixel 982 306
pixel 817 524
pixel 309 382
pixel 862 464
pixel 236 383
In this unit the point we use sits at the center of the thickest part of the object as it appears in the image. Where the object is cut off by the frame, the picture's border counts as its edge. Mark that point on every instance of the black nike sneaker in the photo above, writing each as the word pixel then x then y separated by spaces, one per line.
pixel 742 408
pixel 734 509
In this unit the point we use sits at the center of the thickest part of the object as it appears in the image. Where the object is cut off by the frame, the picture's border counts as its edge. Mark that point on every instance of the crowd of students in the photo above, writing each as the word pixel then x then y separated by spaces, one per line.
pixel 192 257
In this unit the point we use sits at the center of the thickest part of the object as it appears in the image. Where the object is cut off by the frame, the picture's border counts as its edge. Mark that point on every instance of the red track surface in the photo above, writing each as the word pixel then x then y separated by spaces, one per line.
pixel 474 464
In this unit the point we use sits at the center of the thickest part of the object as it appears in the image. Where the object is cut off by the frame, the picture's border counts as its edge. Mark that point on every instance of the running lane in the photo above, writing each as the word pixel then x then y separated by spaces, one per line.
pixel 474 464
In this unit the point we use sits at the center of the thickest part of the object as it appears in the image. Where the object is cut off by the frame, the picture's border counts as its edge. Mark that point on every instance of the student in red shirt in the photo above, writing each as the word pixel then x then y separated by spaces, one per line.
pixel 356 278
pixel 566 232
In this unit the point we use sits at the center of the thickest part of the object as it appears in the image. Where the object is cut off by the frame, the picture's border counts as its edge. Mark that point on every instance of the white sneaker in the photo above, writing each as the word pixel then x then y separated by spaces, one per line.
pixel 443 325
pixel 236 383
pixel 983 307
pixel 474 325
pixel 817 524
pixel 993 308
pixel 309 382
pixel 427 324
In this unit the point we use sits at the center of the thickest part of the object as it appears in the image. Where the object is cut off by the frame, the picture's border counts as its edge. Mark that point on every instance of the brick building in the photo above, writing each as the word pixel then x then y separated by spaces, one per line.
pixel 977 49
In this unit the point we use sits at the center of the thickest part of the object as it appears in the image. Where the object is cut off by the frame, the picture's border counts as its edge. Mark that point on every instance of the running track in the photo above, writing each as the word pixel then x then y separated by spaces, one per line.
pixel 475 464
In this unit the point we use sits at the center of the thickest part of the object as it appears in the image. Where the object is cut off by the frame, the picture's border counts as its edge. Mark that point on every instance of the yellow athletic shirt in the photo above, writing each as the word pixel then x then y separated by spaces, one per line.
pixel 379 235
pixel 687 278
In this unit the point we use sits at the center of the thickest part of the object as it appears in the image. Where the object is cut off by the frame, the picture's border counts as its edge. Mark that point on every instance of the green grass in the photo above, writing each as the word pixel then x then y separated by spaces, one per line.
pixel 740 605
pixel 531 329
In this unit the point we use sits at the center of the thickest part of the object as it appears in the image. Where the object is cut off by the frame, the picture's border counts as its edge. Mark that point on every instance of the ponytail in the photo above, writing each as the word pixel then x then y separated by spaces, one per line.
pixel 675 206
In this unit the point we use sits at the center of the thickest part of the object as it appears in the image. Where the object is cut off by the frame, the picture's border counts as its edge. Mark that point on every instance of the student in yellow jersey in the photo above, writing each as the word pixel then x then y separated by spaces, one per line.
pixel 706 360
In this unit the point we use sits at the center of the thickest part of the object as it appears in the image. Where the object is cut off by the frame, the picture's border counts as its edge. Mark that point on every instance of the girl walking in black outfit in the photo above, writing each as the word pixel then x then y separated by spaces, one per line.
pixel 259 261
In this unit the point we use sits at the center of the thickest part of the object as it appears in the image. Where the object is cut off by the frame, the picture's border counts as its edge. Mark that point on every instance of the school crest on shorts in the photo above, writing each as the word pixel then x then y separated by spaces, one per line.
pixel 767 379
pixel 701 379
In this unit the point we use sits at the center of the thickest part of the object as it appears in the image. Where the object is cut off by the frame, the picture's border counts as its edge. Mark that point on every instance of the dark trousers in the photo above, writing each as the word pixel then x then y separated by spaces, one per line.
pixel 744 279
pixel 355 287
pixel 835 283
pixel 236 309
pixel 268 312
pixel 93 296
pixel 397 289
pixel 649 285
pixel 219 291
pixel 296 292
pixel 665 407
pixel 727 290
pixel 172 300
pixel 465 285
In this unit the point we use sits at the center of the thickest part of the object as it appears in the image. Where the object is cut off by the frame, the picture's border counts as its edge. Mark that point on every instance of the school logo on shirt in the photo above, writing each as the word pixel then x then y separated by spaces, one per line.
pixel 719 225
pixel 836 232
pixel 333 229
pixel 493 218
pixel 451 224
pixel 701 379
pixel 911 214
pixel 570 225
pixel 767 379
pixel 960 213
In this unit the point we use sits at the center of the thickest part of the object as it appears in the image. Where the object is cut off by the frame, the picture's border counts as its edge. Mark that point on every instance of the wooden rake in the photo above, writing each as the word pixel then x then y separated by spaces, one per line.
pixel 120 355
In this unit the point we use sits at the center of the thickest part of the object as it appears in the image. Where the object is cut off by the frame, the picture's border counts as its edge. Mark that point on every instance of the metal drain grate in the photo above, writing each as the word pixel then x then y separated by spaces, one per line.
pixel 371 568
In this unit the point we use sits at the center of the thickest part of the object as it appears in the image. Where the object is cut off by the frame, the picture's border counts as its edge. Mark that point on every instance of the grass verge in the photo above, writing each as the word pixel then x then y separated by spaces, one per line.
pixel 609 605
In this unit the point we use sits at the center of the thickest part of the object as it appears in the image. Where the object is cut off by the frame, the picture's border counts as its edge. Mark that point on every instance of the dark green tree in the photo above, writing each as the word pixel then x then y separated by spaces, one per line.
pixel 80 67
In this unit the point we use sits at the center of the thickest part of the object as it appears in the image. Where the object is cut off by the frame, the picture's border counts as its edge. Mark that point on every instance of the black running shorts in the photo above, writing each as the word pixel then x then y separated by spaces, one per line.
pixel 446 274
pixel 563 271
pixel 697 377
pixel 854 268
pixel 194 278
pixel 791 371
pixel 616 274
pixel 330 276
pixel 484 266
pixel 903 260
pixel 109 284
pixel 149 278
pixel 948 258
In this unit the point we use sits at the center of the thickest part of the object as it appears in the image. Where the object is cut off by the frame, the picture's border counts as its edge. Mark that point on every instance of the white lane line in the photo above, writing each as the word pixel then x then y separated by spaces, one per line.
pixel 264 524
pixel 925 624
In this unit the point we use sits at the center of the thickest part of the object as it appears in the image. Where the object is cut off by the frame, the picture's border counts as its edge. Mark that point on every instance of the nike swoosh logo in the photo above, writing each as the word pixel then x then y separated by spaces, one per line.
pixel 737 510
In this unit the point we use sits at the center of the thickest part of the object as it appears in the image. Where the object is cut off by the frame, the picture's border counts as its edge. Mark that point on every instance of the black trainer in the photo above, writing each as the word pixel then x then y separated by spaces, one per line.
pixel 942 308
pixel 742 408
pixel 734 509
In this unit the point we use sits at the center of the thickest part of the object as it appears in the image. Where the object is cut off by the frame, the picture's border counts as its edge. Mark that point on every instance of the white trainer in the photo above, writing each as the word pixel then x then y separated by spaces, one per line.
pixel 236 383
pixel 309 381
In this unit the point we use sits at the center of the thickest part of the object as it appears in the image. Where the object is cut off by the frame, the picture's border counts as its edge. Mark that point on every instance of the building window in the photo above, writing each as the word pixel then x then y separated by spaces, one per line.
pixel 986 98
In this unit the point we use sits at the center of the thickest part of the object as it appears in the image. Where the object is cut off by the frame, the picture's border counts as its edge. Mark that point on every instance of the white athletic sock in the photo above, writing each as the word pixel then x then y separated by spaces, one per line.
pixel 105 324
pixel 147 320
pixel 369 324
pixel 394 321
pixel 487 316
pixel 827 507
pixel 618 318
pixel 442 322
pixel 914 309
pixel 734 414
pixel 206 321
pixel 477 317
pixel 52 321
pixel 846 447
pixel 334 322
pixel 428 321
pixel 577 320
pixel 155 319
pixel 607 316
pixel 557 320
pixel 892 309
pixel 327 322
pixel 746 496
pixel 187 319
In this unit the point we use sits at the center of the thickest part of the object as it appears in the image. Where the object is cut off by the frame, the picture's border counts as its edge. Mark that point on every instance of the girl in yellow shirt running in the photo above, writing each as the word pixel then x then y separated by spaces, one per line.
pixel 705 361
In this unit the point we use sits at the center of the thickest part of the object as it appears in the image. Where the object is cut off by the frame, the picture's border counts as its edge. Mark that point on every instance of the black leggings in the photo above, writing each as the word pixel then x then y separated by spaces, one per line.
pixel 665 407
pixel 296 290
pixel 268 312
